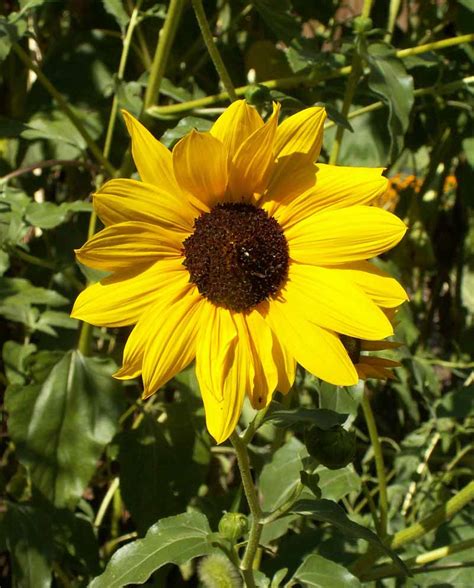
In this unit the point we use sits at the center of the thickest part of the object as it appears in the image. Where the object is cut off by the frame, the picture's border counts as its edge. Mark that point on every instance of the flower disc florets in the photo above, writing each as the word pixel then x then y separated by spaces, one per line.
pixel 237 255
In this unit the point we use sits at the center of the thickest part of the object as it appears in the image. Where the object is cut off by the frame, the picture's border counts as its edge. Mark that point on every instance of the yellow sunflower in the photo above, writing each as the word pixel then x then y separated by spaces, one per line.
pixel 236 250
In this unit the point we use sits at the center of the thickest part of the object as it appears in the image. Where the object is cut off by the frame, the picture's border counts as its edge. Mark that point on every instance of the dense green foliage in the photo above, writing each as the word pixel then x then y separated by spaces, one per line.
pixel 99 486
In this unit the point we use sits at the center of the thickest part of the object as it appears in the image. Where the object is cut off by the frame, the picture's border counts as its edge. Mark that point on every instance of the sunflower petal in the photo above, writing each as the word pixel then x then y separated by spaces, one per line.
pixel 286 365
pixel 333 302
pixel 235 125
pixel 335 187
pixel 319 351
pixel 122 298
pixel 152 158
pixel 301 133
pixel 126 245
pixel 224 369
pixel 122 200
pixel 200 165
pixel 345 235
pixel 252 164
pixel 169 333
pixel 384 290
pixel 266 372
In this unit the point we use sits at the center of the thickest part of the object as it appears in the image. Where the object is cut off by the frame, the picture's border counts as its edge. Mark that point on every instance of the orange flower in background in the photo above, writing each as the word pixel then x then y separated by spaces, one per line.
pixel 236 250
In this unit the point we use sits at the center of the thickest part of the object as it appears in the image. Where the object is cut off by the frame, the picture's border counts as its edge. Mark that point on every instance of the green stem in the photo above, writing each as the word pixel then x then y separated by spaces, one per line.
pixel 392 18
pixel 420 560
pixel 163 48
pixel 212 49
pixel 246 565
pixel 291 82
pixel 33 259
pixel 254 425
pixel 286 506
pixel 367 7
pixel 442 514
pixel 62 103
pixel 379 463
pixel 120 73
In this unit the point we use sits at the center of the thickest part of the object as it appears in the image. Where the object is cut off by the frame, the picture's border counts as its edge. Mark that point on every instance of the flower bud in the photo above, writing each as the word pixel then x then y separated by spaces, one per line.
pixel 232 526
pixel 362 24
pixel 258 95
pixel 334 448
pixel 216 571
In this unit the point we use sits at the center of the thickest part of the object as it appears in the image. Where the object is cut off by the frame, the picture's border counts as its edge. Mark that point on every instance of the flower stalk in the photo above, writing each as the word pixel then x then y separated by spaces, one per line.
pixel 212 49
pixel 246 564
pixel 297 80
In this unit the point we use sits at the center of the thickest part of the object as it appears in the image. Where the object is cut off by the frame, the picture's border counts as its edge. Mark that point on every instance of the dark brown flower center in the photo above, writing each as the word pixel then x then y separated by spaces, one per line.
pixel 237 255
pixel 353 347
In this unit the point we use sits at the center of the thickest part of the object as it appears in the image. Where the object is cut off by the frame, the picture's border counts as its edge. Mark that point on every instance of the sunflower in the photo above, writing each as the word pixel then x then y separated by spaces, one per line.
pixel 236 250
pixel 370 366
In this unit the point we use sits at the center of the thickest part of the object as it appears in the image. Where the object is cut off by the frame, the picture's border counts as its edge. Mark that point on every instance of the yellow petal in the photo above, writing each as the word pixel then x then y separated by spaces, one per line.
pixel 152 158
pixel 344 235
pixel 235 125
pixel 130 244
pixel 122 200
pixel 335 187
pixel 123 297
pixel 224 369
pixel 286 365
pixel 266 372
pixel 168 332
pixel 384 290
pixel 252 164
pixel 333 302
pixel 301 133
pixel 291 176
pixel 200 165
pixel 319 351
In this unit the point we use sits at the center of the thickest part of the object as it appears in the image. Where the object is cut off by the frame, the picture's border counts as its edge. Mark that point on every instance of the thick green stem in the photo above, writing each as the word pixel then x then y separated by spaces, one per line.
pixel 442 514
pixel 163 48
pixel 212 49
pixel 420 560
pixel 392 18
pixel 246 565
pixel 379 463
pixel 64 106
pixel 293 81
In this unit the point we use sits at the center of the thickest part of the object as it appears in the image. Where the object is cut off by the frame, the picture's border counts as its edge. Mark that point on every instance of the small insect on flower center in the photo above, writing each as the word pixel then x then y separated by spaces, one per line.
pixel 237 255
pixel 353 347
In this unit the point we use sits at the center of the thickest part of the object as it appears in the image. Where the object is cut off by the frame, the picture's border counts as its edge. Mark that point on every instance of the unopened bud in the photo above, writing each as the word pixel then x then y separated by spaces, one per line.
pixel 232 526
pixel 216 571
pixel 362 24
pixel 334 448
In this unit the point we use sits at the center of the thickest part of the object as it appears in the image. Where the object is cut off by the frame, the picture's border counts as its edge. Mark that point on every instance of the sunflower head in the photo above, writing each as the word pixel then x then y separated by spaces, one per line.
pixel 237 251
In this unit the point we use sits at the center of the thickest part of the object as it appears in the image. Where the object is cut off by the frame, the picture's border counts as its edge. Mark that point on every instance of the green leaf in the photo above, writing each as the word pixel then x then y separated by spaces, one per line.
pixel 14 359
pixel 185 125
pixel 28 540
pixel 61 427
pixel 278 18
pixel 389 79
pixel 458 404
pixel 18 291
pixel 322 417
pixel 335 484
pixel 116 9
pixel 319 572
pixel 175 540
pixel 330 512
pixel 341 400
pixel 150 453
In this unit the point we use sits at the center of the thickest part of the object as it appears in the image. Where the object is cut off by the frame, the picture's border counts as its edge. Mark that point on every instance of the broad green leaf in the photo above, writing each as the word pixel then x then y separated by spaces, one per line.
pixel 341 400
pixel 278 17
pixel 329 512
pixel 185 125
pixel 60 427
pixel 28 539
pixel 4 261
pixel 151 453
pixel 175 540
pixel 335 484
pixel 389 79
pixel 322 417
pixel 280 477
pixel 14 357
pixel 117 10
pixel 319 572
pixel 458 404
pixel 18 291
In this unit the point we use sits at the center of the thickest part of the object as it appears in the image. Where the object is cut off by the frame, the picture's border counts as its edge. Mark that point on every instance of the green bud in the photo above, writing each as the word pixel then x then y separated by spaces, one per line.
pixel 362 24
pixel 232 526
pixel 258 95
pixel 216 571
pixel 334 448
